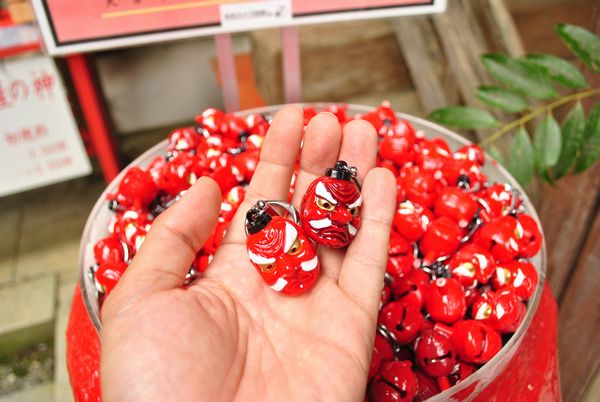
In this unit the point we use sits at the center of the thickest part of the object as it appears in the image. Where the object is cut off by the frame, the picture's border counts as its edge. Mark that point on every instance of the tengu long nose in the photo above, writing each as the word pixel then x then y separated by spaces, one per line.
pixel 341 216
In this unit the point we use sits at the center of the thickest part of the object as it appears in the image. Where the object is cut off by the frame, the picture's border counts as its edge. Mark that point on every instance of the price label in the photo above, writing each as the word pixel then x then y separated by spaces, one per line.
pixel 262 14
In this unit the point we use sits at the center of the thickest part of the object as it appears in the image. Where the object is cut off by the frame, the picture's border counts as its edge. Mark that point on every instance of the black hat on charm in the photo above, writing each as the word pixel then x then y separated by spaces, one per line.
pixel 341 171
pixel 257 218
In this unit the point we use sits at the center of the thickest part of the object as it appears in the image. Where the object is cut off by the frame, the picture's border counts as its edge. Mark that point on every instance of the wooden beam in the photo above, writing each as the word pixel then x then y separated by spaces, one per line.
pixel 567 209
pixel 426 63
pixel 502 29
pixel 464 42
pixel 579 314
pixel 579 321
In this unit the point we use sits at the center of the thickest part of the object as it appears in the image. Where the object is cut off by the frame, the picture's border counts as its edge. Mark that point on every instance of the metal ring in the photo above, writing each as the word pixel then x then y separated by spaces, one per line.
pixel 288 207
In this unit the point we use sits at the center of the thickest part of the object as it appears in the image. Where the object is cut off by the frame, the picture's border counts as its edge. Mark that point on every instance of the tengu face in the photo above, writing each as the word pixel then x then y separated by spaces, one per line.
pixel 331 211
pixel 284 256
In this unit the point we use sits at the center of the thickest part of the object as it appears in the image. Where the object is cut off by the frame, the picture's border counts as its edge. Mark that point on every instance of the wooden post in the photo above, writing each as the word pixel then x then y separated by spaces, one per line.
pixel 463 42
pixel 91 106
pixel 426 63
pixel 502 27
pixel 567 209
pixel 575 267
pixel 226 60
pixel 579 320
pixel 292 74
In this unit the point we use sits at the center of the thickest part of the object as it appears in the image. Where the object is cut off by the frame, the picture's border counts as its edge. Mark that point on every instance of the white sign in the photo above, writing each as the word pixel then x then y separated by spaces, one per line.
pixel 83 26
pixel 249 16
pixel 39 140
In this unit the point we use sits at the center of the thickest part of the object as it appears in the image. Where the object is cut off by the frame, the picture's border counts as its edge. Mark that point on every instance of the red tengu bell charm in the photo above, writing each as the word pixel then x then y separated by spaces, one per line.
pixel 279 249
pixel 331 207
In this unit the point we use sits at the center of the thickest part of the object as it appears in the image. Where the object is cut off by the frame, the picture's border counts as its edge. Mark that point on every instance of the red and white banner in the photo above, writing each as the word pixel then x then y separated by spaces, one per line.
pixel 39 140
pixel 74 26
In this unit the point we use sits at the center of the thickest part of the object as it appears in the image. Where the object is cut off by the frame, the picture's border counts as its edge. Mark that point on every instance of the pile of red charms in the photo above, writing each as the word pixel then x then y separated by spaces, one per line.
pixel 457 277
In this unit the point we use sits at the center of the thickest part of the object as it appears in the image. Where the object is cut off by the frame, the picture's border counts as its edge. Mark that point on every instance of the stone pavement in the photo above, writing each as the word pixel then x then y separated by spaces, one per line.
pixel 40 232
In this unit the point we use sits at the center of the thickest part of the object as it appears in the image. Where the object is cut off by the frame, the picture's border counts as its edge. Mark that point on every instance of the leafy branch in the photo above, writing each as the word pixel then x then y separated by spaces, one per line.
pixel 555 151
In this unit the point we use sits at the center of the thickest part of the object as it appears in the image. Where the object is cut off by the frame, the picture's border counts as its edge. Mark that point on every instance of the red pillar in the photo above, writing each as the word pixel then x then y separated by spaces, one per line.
pixel 89 99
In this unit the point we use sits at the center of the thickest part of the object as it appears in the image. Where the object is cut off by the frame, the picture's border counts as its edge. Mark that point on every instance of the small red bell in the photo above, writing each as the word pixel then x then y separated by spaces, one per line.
pixel 338 110
pixel 472 265
pixel 412 288
pixel 280 250
pixel 421 187
pixel 155 168
pixel 440 239
pixel 412 220
pixel 395 382
pixel 136 189
pixel 132 227
pixel 530 242
pixel 432 155
pixel 180 173
pixel 107 275
pixel 222 172
pixel 427 386
pixel 110 249
pixel 434 353
pixel 456 205
pixel 397 145
pixel 461 371
pixel 232 201
pixel 401 257
pixel 463 173
pixel 236 127
pixel 214 120
pixel 518 276
pixel 257 124
pixel 501 237
pixel 472 153
pixel 330 208
pixel 382 352
pixel 183 140
pixel 445 301
pixel 474 341
pixel 471 295
pixel 498 200
pixel 386 295
pixel 403 321
pixel 246 163
pixel 502 310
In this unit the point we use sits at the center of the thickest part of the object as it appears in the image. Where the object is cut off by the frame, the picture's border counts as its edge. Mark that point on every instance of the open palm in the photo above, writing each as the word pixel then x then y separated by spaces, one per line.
pixel 229 336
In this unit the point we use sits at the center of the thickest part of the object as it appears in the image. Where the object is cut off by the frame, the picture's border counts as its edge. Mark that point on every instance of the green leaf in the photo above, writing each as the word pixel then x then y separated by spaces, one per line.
pixel 546 144
pixel 519 76
pixel 583 43
pixel 463 117
pixel 591 149
pixel 503 99
pixel 558 69
pixel 495 153
pixel 520 164
pixel 572 140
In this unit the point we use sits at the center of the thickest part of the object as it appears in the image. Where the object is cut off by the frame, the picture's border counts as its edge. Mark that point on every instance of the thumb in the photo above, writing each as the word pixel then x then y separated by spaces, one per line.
pixel 170 246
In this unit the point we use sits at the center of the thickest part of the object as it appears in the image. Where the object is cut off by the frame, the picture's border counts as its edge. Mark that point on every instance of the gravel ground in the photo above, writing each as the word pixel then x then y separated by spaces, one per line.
pixel 26 368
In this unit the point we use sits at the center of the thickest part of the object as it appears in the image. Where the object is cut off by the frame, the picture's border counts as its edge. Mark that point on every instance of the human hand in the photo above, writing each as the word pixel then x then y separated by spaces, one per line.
pixel 229 336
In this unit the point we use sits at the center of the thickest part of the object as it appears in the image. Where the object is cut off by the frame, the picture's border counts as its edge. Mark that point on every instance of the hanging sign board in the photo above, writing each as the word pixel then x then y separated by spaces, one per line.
pixel 82 26
pixel 39 140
